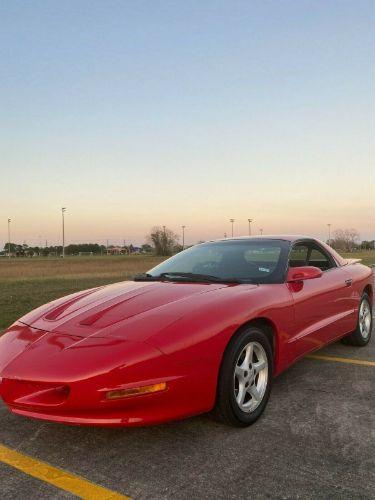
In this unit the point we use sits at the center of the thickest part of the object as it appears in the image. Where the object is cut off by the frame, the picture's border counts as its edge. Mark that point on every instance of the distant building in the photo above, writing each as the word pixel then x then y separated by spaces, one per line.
pixel 116 250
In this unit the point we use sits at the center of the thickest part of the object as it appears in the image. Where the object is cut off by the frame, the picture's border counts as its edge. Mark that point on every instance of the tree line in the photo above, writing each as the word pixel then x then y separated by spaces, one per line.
pixel 347 240
pixel 24 250
pixel 164 242
pixel 160 241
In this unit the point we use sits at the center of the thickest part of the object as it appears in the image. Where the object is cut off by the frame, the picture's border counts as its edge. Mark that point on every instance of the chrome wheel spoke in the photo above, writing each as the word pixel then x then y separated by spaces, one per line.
pixel 248 357
pixel 259 366
pixel 255 393
pixel 241 393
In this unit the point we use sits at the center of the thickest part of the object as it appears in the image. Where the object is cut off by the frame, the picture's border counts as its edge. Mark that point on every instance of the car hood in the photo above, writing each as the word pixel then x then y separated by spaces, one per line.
pixel 111 310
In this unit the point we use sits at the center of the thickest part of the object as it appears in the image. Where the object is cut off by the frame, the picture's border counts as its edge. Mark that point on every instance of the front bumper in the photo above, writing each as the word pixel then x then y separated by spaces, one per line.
pixel 65 379
pixel 148 410
pixel 85 404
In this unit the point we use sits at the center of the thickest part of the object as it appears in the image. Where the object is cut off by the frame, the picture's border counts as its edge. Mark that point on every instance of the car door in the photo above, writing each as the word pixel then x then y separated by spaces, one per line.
pixel 323 308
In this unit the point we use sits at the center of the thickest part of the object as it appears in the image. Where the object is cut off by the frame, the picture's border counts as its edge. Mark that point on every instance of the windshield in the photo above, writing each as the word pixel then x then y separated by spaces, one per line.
pixel 252 261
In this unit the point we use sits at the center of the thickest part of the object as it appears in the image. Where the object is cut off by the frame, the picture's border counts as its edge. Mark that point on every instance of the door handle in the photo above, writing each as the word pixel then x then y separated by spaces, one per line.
pixel 348 282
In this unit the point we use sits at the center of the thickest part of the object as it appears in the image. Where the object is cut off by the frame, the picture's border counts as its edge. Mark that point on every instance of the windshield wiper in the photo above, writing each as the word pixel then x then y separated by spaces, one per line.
pixel 146 277
pixel 192 277
pixel 199 277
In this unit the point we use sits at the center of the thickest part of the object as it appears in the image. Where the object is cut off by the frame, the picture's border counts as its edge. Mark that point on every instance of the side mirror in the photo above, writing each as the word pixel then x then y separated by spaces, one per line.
pixel 303 273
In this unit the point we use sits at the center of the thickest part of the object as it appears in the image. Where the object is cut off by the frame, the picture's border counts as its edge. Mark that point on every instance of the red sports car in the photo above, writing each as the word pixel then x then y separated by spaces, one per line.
pixel 205 330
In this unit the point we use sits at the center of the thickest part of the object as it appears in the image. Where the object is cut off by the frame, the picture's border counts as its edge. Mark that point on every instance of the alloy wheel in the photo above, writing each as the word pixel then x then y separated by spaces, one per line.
pixel 250 377
pixel 365 319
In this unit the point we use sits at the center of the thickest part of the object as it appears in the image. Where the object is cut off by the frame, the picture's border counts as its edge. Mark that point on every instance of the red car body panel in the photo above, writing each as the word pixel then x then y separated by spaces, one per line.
pixel 59 361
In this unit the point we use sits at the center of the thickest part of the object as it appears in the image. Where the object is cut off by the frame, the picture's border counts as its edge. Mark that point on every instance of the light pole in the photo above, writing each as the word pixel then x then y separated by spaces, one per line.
pixel 250 221
pixel 9 221
pixel 232 222
pixel 63 210
pixel 164 241
pixel 183 237
pixel 329 234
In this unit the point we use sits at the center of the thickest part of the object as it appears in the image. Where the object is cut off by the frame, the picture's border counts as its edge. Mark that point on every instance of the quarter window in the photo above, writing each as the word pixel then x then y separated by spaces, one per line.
pixel 319 259
pixel 305 254
pixel 298 256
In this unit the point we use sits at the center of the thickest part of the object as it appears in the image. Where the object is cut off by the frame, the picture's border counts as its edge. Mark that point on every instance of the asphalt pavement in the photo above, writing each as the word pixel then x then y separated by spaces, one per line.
pixel 315 440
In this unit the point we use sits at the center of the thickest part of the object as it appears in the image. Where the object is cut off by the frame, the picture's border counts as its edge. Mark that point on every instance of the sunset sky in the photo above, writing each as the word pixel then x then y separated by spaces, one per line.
pixel 141 113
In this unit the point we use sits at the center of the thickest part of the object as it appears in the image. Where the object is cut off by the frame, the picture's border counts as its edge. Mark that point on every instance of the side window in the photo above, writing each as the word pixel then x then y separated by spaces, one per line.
pixel 319 259
pixel 298 256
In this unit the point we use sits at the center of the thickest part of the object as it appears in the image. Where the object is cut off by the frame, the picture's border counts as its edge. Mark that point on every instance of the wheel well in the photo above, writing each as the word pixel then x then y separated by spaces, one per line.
pixel 368 289
pixel 269 329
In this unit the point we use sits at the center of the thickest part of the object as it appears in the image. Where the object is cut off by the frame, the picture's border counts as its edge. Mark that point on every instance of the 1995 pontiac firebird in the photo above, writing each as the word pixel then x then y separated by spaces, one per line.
pixel 205 330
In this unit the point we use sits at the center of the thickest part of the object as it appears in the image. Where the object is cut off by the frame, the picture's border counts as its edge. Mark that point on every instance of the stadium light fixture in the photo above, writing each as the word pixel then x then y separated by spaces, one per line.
pixel 232 222
pixel 9 221
pixel 250 221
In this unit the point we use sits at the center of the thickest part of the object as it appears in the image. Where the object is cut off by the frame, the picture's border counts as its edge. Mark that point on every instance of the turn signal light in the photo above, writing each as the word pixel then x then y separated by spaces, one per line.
pixel 135 391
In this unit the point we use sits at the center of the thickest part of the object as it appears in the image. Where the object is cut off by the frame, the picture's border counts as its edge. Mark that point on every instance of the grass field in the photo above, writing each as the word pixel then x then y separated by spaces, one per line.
pixel 28 283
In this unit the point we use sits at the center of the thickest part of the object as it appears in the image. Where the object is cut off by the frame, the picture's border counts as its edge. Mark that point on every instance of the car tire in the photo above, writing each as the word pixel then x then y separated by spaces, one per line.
pixel 245 378
pixel 362 334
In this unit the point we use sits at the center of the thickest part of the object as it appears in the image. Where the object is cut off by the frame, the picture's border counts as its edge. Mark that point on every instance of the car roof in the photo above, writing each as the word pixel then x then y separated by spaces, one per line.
pixel 283 237
pixel 291 238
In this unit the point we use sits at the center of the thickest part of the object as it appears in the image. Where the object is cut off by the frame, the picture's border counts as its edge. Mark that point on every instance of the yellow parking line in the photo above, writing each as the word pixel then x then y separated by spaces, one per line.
pixel 342 360
pixel 57 477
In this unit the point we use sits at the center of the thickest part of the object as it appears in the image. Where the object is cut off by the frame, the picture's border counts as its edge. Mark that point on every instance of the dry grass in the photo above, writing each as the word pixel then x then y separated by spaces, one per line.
pixel 76 267
pixel 29 283
pixel 367 256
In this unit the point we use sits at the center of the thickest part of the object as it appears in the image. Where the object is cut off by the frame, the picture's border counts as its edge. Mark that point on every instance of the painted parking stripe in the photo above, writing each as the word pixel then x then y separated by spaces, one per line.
pixel 335 359
pixel 57 477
